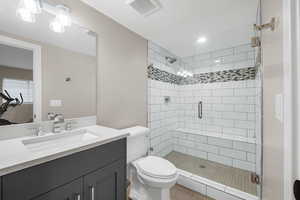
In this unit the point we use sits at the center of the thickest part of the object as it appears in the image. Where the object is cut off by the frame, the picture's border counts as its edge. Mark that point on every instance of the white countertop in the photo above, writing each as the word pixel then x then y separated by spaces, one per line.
pixel 15 156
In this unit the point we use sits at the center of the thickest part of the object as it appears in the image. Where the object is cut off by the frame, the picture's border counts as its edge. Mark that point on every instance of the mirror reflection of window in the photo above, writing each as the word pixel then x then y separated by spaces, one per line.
pixel 16 87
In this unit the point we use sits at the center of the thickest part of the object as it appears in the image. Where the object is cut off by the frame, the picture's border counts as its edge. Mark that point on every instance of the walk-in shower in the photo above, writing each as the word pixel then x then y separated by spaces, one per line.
pixel 210 127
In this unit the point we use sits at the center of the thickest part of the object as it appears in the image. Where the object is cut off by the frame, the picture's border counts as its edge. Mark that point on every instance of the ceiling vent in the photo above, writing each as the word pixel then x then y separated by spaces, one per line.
pixel 144 7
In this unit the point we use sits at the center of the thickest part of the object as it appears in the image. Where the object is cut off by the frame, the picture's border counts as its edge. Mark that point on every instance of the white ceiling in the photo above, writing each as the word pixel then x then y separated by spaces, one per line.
pixel 75 38
pixel 179 23
pixel 16 57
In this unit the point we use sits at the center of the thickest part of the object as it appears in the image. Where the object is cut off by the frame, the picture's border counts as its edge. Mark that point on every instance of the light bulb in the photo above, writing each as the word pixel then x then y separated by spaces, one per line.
pixel 56 26
pixel 27 9
pixel 201 40
pixel 63 15
pixel 26 15
pixel 62 19
pixel 33 6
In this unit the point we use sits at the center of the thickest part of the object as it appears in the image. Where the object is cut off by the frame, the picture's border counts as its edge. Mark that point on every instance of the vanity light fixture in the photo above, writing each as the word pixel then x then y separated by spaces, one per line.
pixel 61 20
pixel 27 9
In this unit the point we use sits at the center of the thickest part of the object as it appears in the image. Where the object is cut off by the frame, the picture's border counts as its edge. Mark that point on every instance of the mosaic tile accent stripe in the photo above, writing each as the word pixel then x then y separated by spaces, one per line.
pixel 164 76
pixel 211 77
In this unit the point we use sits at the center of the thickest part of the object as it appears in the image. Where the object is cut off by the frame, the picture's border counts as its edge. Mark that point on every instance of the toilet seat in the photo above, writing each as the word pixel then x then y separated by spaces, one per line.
pixel 156 167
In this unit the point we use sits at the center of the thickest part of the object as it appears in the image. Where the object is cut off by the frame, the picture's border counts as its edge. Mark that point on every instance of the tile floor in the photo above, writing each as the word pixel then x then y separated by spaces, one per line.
pixel 181 193
pixel 229 176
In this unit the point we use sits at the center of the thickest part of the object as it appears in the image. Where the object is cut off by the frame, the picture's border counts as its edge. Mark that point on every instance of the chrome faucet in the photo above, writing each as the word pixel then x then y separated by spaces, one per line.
pixel 58 121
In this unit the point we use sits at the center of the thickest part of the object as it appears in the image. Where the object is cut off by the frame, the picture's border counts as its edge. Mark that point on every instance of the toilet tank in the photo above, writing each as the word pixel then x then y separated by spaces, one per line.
pixel 137 142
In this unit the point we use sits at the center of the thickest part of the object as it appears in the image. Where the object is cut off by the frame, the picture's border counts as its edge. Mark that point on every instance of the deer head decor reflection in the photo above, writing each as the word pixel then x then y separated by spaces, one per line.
pixel 9 102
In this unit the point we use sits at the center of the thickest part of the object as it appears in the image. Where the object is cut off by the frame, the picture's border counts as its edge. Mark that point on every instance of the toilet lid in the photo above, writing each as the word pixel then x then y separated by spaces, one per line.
pixel 156 167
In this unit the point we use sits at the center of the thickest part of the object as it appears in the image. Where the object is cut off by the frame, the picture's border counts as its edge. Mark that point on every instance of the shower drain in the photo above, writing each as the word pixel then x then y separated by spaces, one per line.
pixel 202 166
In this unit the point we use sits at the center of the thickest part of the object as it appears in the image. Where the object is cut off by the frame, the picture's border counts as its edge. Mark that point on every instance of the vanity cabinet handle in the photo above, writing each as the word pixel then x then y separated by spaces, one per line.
pixel 200 110
pixel 92 193
pixel 77 197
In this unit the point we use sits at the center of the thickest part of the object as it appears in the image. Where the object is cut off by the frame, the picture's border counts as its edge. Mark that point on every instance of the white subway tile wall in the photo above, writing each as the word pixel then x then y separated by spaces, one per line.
pixel 229 109
pixel 232 58
pixel 157 57
pixel 228 152
pixel 162 119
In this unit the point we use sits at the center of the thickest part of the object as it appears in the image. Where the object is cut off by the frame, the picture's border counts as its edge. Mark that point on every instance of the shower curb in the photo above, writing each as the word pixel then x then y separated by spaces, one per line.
pixel 211 188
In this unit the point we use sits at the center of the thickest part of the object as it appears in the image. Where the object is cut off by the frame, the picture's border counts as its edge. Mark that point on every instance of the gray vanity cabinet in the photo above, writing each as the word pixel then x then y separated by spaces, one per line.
pixel 72 177
pixel 0 188
pixel 71 191
pixel 106 184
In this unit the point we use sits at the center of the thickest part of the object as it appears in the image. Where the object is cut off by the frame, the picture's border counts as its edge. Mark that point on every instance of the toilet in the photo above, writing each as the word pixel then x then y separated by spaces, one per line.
pixel 151 177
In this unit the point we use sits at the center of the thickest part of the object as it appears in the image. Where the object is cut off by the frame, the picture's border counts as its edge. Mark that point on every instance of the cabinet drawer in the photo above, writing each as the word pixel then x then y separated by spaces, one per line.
pixel 31 182
pixel 71 191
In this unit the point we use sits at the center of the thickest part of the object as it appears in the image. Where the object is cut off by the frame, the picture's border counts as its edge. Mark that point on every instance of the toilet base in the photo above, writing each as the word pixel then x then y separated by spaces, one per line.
pixel 159 194
pixel 140 191
pixel 150 194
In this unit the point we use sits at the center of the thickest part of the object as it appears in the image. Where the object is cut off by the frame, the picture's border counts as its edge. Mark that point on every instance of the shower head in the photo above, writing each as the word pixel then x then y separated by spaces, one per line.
pixel 170 59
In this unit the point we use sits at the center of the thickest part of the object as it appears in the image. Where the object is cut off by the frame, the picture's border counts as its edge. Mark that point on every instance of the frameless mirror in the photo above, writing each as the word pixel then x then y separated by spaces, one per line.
pixel 44 68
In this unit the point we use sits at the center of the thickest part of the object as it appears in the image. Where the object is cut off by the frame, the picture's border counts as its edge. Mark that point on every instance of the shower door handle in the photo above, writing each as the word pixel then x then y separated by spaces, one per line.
pixel 200 110
pixel 92 189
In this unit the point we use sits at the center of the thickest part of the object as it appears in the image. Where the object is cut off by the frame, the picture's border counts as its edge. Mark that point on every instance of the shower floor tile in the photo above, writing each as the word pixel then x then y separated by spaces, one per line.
pixel 181 193
pixel 229 176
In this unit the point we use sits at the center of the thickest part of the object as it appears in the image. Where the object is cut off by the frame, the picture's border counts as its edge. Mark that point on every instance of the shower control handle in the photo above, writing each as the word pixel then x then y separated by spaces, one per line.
pixel 200 110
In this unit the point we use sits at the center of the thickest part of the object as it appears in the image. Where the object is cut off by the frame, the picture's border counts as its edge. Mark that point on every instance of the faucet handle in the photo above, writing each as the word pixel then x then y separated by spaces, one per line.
pixel 50 116
pixel 69 125
pixel 59 118
pixel 37 130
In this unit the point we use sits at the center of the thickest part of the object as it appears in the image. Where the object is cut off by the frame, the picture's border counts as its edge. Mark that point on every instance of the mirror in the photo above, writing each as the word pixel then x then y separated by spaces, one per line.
pixel 42 69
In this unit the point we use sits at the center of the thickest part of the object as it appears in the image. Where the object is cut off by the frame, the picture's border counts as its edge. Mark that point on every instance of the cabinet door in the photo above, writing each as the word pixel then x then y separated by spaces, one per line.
pixel 0 188
pixel 71 191
pixel 107 183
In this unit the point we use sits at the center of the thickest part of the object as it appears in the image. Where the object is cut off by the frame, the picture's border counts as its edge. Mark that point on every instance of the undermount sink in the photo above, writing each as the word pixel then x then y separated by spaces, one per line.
pixel 56 141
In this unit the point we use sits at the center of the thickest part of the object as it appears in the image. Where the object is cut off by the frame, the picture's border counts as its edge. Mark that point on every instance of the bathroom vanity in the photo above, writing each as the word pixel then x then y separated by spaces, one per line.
pixel 92 169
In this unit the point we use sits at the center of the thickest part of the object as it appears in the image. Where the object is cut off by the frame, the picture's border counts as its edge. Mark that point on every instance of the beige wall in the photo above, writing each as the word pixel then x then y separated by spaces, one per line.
pixel 78 96
pixel 273 84
pixel 122 68
pixel 23 113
